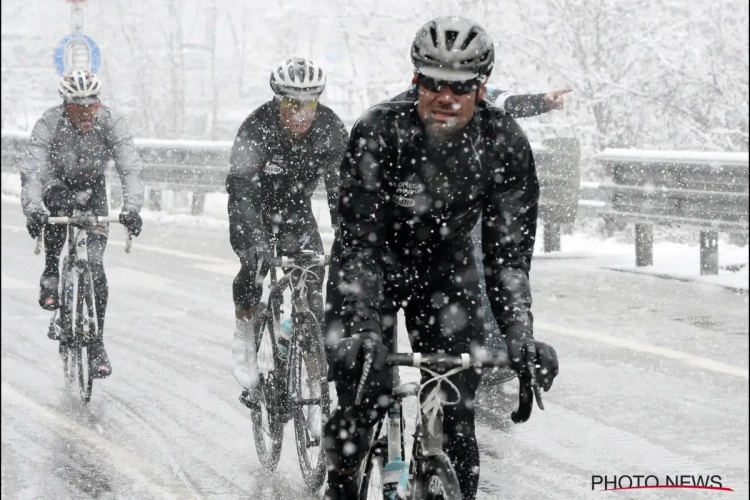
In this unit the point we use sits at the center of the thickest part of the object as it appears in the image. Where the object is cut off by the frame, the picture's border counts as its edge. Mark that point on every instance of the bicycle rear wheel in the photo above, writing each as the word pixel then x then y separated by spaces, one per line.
pixel 312 401
pixel 268 429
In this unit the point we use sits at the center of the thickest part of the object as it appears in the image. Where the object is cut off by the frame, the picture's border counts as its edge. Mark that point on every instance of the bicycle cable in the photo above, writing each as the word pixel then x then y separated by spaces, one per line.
pixel 434 402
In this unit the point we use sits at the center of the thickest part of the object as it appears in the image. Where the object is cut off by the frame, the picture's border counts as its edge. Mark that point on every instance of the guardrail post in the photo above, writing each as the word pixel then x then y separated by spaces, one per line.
pixel 551 236
pixel 644 245
pixel 709 252
pixel 199 199
pixel 154 199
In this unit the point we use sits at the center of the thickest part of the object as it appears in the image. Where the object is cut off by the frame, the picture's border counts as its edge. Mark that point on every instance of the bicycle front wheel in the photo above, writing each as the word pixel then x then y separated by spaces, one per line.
pixel 438 481
pixel 372 475
pixel 66 336
pixel 268 429
pixel 85 328
pixel 311 398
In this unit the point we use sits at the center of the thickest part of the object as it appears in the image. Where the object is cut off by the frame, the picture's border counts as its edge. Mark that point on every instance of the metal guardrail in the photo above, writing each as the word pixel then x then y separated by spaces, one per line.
pixel 705 191
pixel 202 166
pixel 708 191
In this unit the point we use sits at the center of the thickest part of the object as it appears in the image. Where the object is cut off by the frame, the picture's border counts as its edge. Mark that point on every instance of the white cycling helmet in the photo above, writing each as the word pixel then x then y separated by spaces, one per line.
pixel 298 78
pixel 453 48
pixel 80 87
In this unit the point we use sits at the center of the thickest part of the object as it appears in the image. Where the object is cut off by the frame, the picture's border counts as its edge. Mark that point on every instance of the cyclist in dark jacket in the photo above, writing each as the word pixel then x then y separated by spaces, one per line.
pixel 278 158
pixel 68 153
pixel 417 175
pixel 517 106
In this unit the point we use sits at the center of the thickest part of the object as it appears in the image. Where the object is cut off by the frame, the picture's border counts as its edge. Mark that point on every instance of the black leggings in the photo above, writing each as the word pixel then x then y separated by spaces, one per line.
pixel 442 306
pixel 93 199
pixel 292 239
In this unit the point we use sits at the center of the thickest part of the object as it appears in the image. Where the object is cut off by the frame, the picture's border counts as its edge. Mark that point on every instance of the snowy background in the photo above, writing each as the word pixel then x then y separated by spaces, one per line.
pixel 645 74
pixel 654 375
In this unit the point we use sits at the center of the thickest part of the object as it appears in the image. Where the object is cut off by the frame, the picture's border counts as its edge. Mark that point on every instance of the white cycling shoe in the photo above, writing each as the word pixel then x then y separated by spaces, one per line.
pixel 244 357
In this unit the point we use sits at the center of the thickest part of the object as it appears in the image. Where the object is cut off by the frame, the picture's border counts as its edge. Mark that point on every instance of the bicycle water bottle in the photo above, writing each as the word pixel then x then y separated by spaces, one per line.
pixel 284 336
pixel 395 475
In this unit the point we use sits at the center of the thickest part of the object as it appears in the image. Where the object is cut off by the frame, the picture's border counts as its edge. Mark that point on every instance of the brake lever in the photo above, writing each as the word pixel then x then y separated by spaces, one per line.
pixel 528 390
pixel 369 353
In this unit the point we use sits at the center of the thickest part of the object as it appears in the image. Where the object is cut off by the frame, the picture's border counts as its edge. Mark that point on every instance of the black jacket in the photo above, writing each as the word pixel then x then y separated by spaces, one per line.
pixel 273 176
pixel 405 199
pixel 517 106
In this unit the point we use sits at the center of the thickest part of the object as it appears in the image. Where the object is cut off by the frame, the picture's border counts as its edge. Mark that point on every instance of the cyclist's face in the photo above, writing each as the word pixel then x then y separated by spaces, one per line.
pixel 297 116
pixel 443 111
pixel 82 116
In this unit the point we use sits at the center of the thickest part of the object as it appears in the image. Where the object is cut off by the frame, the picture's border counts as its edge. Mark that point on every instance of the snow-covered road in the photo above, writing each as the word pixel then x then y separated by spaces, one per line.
pixel 654 380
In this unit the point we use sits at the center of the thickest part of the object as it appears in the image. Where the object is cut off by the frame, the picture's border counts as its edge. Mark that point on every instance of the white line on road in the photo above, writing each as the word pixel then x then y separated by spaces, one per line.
pixel 118 455
pixel 633 345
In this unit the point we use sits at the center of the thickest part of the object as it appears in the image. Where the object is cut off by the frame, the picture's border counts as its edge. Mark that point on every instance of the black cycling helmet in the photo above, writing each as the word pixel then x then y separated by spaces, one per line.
pixel 453 48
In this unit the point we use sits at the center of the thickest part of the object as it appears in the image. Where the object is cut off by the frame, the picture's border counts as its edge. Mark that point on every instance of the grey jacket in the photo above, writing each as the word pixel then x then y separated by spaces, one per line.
pixel 58 154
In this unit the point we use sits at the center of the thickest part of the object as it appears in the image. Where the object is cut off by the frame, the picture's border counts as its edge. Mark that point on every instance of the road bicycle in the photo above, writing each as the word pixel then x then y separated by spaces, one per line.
pixel 75 323
pixel 293 383
pixel 429 475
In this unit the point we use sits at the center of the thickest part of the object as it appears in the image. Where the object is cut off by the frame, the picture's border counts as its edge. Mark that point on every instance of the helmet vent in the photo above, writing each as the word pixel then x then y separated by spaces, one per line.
pixel 433 34
pixel 471 36
pixel 450 39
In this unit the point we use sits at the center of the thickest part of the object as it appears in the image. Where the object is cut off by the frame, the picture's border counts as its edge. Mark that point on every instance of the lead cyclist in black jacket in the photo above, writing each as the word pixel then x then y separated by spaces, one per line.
pixel 278 158
pixel 418 173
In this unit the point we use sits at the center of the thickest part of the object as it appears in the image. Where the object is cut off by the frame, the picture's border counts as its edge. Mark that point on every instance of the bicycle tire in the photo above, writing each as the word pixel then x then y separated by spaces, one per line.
pixel 265 416
pixel 371 475
pixel 85 315
pixel 67 353
pixel 438 481
pixel 307 330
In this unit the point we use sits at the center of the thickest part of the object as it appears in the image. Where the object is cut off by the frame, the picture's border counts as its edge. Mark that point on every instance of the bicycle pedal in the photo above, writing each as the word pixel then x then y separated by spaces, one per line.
pixel 53 333
pixel 246 400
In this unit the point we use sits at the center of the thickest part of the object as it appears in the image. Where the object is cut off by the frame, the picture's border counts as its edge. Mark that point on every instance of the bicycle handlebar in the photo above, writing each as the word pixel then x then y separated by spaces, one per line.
pixel 83 220
pixel 486 359
pixel 301 260
pixel 528 389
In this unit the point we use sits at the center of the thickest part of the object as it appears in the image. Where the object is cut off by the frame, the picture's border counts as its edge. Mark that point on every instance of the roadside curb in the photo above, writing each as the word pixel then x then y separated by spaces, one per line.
pixel 684 279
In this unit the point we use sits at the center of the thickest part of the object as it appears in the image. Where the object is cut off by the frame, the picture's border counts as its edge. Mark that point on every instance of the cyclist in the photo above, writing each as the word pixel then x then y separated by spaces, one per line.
pixel 517 106
pixel 417 174
pixel 68 153
pixel 279 155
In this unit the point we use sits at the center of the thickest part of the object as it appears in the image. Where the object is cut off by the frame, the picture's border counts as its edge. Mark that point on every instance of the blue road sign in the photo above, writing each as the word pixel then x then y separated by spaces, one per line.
pixel 77 52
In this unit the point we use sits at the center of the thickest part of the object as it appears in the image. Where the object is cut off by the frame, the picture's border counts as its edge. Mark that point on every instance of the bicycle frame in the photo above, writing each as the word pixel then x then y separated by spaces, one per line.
pixel 299 306
pixel 428 440
pixel 428 459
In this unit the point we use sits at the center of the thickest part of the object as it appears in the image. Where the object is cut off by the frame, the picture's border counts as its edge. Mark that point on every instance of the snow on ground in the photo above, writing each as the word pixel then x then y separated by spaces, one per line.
pixel 671 260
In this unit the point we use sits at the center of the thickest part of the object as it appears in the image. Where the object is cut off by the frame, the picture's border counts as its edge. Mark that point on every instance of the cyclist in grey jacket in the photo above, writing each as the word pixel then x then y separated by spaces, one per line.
pixel 67 155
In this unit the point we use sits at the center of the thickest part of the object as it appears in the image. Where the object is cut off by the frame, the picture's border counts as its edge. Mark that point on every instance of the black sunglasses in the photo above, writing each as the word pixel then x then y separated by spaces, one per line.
pixel 458 87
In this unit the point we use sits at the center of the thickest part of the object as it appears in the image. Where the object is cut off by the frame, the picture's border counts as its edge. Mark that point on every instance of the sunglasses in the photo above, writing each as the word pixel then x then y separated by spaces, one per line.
pixel 288 102
pixel 80 109
pixel 458 87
